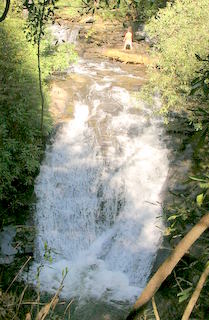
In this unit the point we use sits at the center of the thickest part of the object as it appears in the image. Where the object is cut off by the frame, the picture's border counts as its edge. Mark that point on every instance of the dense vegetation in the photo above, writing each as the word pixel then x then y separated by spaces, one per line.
pixel 137 10
pixel 19 117
pixel 180 33
pixel 20 112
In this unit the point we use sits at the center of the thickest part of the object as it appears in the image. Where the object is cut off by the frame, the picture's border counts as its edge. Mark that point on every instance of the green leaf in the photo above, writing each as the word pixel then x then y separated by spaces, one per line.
pixel 203 110
pixel 204 185
pixel 184 294
pixel 197 179
pixel 199 199
pixel 173 217
pixel 205 89
pixel 196 80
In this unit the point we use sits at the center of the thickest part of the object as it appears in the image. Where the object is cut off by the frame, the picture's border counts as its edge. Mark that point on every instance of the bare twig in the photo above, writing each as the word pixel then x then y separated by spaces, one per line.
pixel 196 294
pixel 46 309
pixel 20 301
pixel 154 204
pixel 18 274
pixel 157 317
pixel 34 303
pixel 68 306
pixel 178 283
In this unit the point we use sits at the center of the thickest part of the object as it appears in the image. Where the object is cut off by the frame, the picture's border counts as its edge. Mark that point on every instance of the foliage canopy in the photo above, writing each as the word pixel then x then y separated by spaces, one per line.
pixel 180 32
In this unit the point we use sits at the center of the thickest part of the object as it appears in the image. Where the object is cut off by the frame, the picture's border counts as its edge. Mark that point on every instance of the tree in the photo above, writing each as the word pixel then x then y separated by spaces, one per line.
pixel 39 14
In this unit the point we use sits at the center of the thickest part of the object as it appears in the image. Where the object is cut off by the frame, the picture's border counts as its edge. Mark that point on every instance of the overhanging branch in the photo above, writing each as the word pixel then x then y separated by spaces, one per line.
pixel 6 9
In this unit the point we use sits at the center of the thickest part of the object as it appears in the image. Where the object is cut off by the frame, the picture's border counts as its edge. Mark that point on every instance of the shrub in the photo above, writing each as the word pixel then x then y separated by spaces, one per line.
pixel 180 31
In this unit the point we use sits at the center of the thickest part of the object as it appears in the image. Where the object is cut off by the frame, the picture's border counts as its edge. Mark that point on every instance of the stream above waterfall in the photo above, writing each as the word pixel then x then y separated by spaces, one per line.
pixel 99 191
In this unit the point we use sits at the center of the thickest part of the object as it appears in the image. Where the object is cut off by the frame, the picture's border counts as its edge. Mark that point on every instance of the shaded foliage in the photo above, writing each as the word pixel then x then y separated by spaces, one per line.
pixel 19 123
pixel 140 10
pixel 20 108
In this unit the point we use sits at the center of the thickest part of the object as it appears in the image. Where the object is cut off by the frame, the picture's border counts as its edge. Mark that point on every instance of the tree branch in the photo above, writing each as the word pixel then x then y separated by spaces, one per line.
pixel 196 294
pixel 6 9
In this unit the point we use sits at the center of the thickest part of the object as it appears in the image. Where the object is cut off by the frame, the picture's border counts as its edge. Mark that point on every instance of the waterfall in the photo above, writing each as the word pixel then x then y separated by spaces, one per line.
pixel 65 33
pixel 98 194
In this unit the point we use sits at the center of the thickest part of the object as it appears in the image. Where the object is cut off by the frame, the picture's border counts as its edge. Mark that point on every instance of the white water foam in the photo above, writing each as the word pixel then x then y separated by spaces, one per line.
pixel 87 67
pixel 98 210
pixel 65 34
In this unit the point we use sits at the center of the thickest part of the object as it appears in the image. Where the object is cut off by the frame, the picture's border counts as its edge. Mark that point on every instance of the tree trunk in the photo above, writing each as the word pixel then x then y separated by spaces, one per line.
pixel 40 88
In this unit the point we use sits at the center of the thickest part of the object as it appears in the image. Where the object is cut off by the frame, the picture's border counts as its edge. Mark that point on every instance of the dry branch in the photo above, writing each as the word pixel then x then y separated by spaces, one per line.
pixel 28 316
pixel 52 304
pixel 26 262
pixel 21 298
pixel 196 294
pixel 169 264
pixel 157 317
pixel 68 306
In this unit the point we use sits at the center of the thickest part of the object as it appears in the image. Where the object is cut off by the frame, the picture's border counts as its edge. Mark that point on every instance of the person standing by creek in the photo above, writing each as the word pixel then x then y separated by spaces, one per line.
pixel 128 39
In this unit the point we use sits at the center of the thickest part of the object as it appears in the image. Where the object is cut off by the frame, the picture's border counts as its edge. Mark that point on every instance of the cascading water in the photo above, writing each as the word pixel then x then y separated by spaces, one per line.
pixel 65 34
pixel 98 193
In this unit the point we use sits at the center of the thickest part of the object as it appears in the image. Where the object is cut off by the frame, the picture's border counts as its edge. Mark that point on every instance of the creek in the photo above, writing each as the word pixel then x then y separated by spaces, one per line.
pixel 99 192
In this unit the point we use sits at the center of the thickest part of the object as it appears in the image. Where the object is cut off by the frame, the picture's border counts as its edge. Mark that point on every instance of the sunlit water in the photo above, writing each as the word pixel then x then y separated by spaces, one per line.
pixel 99 193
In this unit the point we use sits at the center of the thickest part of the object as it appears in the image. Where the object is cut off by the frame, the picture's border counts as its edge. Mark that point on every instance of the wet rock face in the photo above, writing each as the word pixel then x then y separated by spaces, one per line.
pixel 141 35
pixel 16 242
pixel 8 252
pixel 181 156
pixel 102 35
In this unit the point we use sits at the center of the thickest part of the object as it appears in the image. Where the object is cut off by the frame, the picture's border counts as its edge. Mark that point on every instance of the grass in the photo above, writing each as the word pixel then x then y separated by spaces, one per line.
pixel 19 301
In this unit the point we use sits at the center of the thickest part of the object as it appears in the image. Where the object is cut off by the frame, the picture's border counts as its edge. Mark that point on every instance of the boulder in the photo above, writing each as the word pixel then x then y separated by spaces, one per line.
pixel 89 20
pixel 139 35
